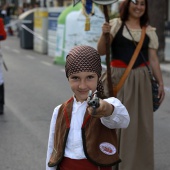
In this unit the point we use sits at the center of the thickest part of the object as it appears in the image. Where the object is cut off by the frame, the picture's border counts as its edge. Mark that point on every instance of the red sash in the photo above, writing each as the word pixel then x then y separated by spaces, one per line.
pixel 79 164
pixel 121 64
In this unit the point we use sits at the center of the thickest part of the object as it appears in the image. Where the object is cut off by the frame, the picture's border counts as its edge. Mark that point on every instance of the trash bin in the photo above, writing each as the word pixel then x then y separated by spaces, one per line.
pixel 26 36
pixel 26 29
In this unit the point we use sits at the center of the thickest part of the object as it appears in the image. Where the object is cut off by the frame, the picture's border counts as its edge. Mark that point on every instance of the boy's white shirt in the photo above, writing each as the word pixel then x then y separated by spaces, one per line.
pixel 74 148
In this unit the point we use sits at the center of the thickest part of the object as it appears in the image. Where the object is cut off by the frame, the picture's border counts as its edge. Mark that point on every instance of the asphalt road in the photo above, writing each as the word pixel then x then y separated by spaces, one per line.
pixel 34 86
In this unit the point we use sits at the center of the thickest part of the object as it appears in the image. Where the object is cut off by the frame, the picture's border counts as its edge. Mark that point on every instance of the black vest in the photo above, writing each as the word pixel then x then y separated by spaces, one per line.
pixel 123 48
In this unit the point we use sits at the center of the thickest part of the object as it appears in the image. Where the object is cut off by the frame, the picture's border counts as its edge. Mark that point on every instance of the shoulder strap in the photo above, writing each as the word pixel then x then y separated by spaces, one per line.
pixel 131 63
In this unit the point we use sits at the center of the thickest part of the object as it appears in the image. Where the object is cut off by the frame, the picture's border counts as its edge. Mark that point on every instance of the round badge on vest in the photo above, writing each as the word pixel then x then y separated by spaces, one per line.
pixel 107 148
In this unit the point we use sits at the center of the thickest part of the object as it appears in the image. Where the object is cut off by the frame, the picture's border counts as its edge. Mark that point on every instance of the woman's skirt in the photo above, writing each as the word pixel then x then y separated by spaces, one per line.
pixel 79 164
pixel 136 141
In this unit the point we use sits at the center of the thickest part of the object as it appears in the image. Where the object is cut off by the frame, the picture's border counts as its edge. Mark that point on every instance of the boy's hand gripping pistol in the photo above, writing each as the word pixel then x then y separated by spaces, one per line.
pixel 93 101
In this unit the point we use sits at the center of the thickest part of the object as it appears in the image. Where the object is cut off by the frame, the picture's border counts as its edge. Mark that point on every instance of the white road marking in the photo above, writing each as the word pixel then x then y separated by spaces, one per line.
pixel 46 63
pixel 62 70
pixel 6 47
pixel 30 57
pixel 16 51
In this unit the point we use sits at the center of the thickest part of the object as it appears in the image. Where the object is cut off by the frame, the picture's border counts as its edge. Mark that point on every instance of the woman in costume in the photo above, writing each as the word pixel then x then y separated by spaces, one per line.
pixel 135 142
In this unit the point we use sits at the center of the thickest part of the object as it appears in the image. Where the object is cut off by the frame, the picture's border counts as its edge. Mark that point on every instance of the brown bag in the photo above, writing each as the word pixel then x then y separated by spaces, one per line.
pixel 130 65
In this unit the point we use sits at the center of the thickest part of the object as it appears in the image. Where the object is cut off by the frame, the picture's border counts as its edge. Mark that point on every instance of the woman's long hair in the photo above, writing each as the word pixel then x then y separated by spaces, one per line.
pixel 124 13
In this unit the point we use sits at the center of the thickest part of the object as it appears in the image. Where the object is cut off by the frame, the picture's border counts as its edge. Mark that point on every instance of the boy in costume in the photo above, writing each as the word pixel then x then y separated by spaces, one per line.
pixel 82 135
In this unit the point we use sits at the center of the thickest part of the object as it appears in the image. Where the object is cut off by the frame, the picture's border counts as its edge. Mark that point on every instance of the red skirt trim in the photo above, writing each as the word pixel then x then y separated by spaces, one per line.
pixel 79 164
pixel 121 64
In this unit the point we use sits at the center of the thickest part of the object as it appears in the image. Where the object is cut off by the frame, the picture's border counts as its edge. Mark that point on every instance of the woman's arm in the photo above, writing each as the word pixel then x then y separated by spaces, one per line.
pixel 101 45
pixel 154 62
pixel 112 28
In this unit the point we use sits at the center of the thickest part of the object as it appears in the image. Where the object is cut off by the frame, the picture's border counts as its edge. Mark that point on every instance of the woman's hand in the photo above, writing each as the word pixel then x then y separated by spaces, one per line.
pixel 106 28
pixel 154 62
pixel 161 93
pixel 101 45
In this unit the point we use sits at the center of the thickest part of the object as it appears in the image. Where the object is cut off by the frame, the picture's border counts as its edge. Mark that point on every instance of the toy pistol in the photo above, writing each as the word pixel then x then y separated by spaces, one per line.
pixel 93 101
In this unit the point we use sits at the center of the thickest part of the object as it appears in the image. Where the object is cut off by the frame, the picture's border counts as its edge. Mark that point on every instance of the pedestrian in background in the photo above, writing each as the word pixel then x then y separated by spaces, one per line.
pixel 2 37
pixel 80 137
pixel 6 15
pixel 135 142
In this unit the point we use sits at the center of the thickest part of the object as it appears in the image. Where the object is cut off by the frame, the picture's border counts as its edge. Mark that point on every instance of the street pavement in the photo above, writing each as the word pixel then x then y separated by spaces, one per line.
pixel 165 66
pixel 31 95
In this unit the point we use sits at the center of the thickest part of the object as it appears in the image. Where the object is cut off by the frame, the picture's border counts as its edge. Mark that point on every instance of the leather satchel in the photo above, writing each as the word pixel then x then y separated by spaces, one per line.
pixel 154 82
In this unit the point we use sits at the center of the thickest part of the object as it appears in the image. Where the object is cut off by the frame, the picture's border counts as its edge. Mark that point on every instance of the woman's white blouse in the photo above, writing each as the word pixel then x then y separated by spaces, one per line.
pixel 74 148
pixel 136 33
